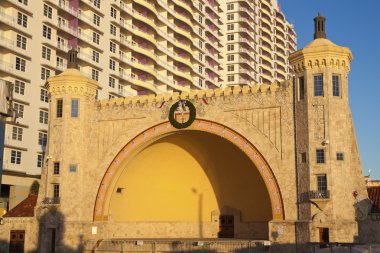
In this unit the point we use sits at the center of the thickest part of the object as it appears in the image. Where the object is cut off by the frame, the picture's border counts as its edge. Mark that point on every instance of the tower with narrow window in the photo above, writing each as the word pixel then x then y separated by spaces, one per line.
pixel 328 162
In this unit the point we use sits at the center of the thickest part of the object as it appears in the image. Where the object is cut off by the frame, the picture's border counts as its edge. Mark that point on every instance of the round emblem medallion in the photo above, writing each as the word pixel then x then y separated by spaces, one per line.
pixel 182 114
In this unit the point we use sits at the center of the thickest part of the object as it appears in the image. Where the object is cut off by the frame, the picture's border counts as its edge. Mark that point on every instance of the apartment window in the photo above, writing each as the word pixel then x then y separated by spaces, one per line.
pixel 42 138
pixel 19 87
pixel 340 156
pixel 113 29
pixel 200 56
pixel 20 64
pixel 59 108
pixel 112 64
pixel 48 11
pixel 96 3
pixel 200 69
pixel 17 133
pixel 95 38
pixel 74 108
pixel 39 161
pixel 230 16
pixel 230 47
pixel 59 62
pixel 43 117
pixel 200 43
pixel 72 168
pixel 55 190
pixel 318 85
pixel 44 95
pixel 230 57
pixel 95 74
pixel 301 82
pixel 230 78
pixel 22 19
pixel 230 37
pixel 200 19
pixel 46 32
pixel 56 167
pixel 200 6
pixel 111 82
pixel 112 47
pixel 16 157
pixel 21 41
pixel 230 27
pixel 320 155
pixel 230 67
pixel 95 56
pixel 230 7
pixel 200 81
pixel 46 53
pixel 336 86
pixel 113 12
pixel 200 31
pixel 25 2
pixel 322 183
pixel 111 96
pixel 45 73
pixel 96 20
pixel 19 110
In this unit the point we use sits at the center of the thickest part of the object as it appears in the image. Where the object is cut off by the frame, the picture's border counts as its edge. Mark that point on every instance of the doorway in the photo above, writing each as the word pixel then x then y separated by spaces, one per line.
pixel 226 226
pixel 16 242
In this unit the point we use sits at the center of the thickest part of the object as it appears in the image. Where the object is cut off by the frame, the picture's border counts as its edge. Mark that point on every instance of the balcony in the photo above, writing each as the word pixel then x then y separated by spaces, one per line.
pixel 319 195
pixel 11 21
pixel 51 201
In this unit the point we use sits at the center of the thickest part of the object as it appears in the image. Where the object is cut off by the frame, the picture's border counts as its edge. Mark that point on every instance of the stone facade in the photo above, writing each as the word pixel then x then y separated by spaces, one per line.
pixel 275 127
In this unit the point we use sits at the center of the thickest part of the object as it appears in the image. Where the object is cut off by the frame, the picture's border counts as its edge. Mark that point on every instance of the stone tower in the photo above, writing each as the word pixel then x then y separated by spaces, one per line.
pixel 328 162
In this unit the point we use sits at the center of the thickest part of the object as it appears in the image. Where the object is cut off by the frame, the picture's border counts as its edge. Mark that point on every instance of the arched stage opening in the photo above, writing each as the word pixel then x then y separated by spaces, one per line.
pixel 203 183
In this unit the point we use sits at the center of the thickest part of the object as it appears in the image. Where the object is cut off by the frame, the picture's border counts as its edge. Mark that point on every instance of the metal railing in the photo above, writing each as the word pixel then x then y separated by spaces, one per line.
pixel 319 194
pixel 51 201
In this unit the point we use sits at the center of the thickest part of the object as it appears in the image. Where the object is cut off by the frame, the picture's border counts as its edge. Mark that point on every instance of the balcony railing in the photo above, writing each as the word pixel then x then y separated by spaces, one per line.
pixel 51 201
pixel 319 194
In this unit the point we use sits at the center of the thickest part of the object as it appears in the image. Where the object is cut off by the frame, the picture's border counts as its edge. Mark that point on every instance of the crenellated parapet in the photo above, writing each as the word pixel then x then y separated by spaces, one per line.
pixel 196 94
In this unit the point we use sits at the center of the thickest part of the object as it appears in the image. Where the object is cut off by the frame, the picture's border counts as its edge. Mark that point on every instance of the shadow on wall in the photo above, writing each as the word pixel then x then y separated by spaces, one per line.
pixel 49 239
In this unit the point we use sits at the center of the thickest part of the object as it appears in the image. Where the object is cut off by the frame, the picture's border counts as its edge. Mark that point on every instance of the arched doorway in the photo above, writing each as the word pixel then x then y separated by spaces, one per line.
pixel 205 177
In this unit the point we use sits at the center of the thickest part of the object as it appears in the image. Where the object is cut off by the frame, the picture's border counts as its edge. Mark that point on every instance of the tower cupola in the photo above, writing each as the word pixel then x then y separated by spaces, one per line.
pixel 72 60
pixel 319 27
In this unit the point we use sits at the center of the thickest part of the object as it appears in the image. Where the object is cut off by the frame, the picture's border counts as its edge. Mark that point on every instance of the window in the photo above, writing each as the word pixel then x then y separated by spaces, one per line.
pixel 112 47
pixel 301 82
pixel 335 82
pixel 39 161
pixel 15 157
pixel 45 73
pixel 200 19
pixel 113 29
pixel 112 64
pixel 111 82
pixel 230 67
pixel 230 27
pixel 59 62
pixel 95 74
pixel 46 52
pixel 322 183
pixel 230 78
pixel 340 156
pixel 95 56
pixel 200 6
pixel 44 95
pixel 46 32
pixel 22 19
pixel 59 108
pixel 230 57
pixel 21 41
pixel 320 155
pixel 42 139
pixel 200 69
pixel 230 7
pixel 303 157
pixel 25 2
pixel 200 43
pixel 230 47
pixel 56 190
pixel 200 82
pixel 17 133
pixel 96 20
pixel 113 12
pixel 19 110
pixel 200 31
pixel 19 87
pixel 95 38
pixel 56 166
pixel 20 64
pixel 43 117
pixel 318 85
pixel 47 11
pixel 230 16
pixel 230 37
pixel 96 3
pixel 74 108
pixel 72 168
pixel 200 56
pixel 110 96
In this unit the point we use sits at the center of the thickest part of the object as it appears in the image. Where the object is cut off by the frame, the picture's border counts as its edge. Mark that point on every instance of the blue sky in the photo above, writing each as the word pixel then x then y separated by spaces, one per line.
pixel 354 24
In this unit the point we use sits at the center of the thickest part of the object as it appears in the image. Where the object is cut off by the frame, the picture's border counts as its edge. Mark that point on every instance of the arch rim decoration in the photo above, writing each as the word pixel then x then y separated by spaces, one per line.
pixel 164 128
